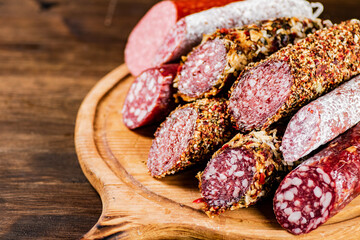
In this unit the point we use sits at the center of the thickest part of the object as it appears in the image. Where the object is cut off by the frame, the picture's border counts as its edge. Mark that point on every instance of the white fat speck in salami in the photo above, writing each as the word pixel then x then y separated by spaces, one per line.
pixel 188 32
pixel 150 97
pixel 330 182
pixel 317 192
pixel 322 120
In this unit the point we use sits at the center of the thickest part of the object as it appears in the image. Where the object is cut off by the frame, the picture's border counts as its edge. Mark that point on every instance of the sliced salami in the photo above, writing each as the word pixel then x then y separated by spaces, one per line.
pixel 151 30
pixel 150 97
pixel 321 186
pixel 215 64
pixel 190 134
pixel 322 120
pixel 275 88
pixel 188 31
pixel 243 171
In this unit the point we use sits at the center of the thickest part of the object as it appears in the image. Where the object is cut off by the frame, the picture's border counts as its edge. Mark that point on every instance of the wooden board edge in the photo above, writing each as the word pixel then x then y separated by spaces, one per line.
pixel 89 158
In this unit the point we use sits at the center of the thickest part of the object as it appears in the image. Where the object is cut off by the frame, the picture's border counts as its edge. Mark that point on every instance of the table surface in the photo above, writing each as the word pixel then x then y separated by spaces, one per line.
pixel 52 52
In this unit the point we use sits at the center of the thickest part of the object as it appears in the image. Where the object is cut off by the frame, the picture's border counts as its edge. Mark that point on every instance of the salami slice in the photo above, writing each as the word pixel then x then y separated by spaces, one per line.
pixel 190 134
pixel 150 97
pixel 321 186
pixel 188 31
pixel 241 172
pixel 275 88
pixel 216 63
pixel 322 120
pixel 151 30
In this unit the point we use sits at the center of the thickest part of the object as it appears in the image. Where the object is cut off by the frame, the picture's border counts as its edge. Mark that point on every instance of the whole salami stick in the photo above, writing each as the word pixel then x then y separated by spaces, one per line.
pixel 321 186
pixel 150 97
pixel 215 64
pixel 190 134
pixel 322 120
pixel 275 88
pixel 150 31
pixel 241 172
pixel 188 31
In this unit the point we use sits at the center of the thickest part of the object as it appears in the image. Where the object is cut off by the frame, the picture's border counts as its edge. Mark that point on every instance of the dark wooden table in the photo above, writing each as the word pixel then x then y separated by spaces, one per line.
pixel 51 53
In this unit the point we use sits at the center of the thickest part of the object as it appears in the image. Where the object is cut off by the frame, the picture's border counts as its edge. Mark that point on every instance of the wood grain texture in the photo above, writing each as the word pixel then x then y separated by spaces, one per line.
pixel 137 206
pixel 50 58
pixel 52 52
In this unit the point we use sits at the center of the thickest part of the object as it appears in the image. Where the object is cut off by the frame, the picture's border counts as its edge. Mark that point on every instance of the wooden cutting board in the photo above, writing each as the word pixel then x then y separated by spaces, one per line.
pixel 137 206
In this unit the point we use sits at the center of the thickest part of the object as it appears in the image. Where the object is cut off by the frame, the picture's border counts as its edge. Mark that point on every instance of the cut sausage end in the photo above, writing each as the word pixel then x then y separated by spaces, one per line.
pixel 251 101
pixel 153 27
pixel 202 69
pixel 171 141
pixel 304 200
pixel 171 48
pixel 150 97
pixel 227 177
pixel 301 134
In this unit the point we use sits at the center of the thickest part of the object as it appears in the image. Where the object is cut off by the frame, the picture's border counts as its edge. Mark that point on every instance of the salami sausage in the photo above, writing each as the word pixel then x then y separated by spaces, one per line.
pixel 241 172
pixel 321 186
pixel 216 63
pixel 150 31
pixel 150 97
pixel 275 88
pixel 191 133
pixel 322 120
pixel 188 31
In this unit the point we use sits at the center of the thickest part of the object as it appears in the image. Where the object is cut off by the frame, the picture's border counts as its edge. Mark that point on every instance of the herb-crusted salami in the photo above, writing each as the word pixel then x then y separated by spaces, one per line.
pixel 153 27
pixel 241 172
pixel 321 186
pixel 322 120
pixel 290 78
pixel 188 32
pixel 217 61
pixel 150 97
pixel 191 133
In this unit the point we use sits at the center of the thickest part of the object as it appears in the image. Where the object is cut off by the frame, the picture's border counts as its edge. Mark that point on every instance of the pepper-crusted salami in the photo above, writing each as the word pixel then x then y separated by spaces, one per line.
pixel 150 97
pixel 191 133
pixel 290 78
pixel 322 120
pixel 321 186
pixel 188 31
pixel 241 172
pixel 217 61
pixel 151 30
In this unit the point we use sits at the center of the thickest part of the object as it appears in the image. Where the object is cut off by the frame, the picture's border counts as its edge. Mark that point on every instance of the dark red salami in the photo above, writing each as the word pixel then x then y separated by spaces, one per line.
pixel 150 97
pixel 189 31
pixel 322 120
pixel 321 186
pixel 149 33
pixel 241 172
pixel 213 66
pixel 275 88
pixel 190 134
